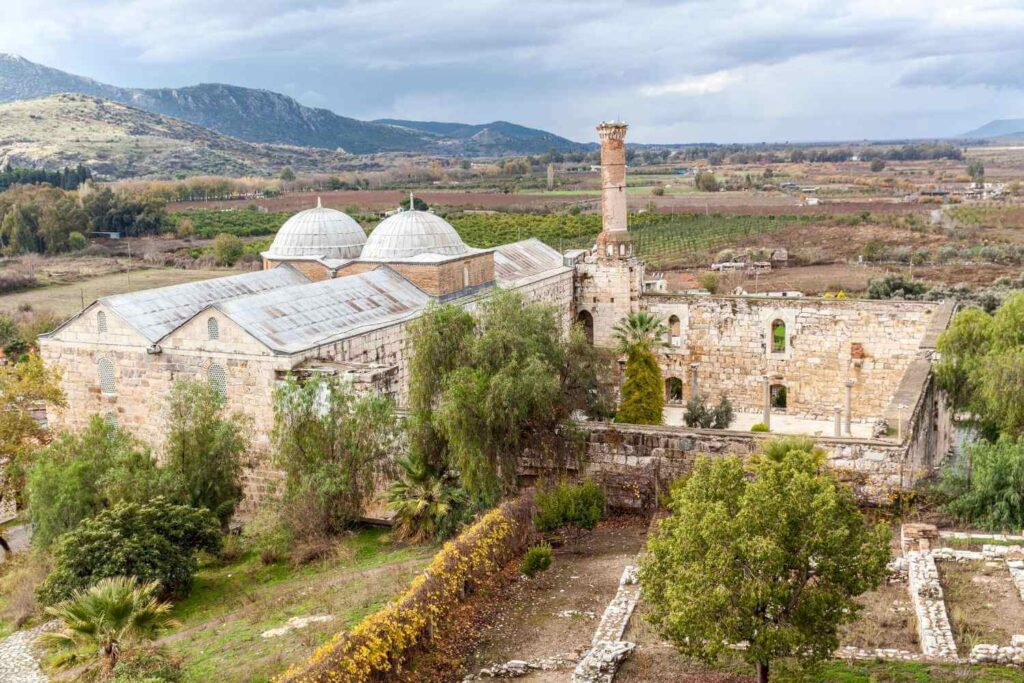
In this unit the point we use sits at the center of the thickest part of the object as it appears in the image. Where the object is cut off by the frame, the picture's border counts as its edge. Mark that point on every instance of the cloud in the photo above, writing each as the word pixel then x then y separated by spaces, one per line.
pixel 678 70
pixel 697 85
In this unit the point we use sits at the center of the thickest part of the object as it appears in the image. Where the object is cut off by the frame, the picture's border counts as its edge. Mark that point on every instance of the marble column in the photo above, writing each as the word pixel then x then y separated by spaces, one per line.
pixel 839 420
pixel 766 418
pixel 693 379
pixel 849 406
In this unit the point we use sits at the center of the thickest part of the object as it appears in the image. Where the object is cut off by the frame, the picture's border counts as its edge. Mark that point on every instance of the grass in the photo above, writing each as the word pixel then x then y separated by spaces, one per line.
pixel 66 300
pixel 232 604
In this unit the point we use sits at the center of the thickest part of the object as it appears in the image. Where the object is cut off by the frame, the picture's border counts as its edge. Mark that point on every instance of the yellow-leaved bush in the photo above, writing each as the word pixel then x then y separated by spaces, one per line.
pixel 381 643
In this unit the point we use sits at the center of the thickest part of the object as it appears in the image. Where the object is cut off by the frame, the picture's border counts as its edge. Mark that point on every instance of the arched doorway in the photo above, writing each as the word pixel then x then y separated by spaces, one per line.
pixel 778 336
pixel 674 336
pixel 584 318
pixel 674 390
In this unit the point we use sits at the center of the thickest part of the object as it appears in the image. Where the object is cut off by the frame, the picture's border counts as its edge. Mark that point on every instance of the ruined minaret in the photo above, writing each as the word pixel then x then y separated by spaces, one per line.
pixel 614 240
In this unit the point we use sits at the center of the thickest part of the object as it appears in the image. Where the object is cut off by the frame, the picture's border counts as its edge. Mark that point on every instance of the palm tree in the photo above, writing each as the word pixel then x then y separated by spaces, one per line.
pixel 639 330
pixel 103 622
pixel 428 505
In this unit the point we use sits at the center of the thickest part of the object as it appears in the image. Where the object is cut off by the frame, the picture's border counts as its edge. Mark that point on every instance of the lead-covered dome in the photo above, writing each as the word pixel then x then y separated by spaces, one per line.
pixel 318 233
pixel 409 234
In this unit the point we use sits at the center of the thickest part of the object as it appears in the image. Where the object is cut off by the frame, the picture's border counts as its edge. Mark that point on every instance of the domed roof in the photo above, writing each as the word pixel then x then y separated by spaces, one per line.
pixel 408 234
pixel 318 233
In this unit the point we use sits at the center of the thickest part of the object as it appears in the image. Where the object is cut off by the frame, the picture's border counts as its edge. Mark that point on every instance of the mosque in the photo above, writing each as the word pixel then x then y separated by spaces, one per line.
pixel 331 300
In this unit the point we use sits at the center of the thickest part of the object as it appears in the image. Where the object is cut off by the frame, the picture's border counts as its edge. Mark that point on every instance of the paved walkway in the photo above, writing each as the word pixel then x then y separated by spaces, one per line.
pixel 781 424
pixel 17 663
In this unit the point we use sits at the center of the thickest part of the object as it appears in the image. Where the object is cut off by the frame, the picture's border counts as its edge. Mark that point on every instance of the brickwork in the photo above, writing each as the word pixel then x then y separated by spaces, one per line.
pixel 314 270
pixel 439 279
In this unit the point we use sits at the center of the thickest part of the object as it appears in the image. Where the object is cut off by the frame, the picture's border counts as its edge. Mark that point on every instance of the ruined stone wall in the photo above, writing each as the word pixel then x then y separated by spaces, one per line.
pixel 636 463
pixel 827 343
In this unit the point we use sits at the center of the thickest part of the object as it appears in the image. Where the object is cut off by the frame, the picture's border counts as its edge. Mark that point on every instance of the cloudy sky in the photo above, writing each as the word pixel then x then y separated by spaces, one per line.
pixel 677 71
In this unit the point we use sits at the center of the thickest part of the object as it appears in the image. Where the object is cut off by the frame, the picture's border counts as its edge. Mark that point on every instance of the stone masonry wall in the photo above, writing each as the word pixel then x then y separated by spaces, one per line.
pixel 827 343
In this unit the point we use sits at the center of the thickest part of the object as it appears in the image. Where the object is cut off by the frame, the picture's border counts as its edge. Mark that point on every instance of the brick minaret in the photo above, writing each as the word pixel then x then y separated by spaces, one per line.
pixel 614 240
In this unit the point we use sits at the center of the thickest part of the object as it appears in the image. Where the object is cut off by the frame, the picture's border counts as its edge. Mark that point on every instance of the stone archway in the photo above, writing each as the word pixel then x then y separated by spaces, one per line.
pixel 674 390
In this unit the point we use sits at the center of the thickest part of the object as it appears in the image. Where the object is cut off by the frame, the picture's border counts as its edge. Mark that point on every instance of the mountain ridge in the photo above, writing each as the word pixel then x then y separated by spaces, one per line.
pixel 998 128
pixel 264 116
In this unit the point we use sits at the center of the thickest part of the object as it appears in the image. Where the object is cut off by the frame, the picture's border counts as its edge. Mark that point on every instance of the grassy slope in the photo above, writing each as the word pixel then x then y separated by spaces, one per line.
pixel 232 604
pixel 117 141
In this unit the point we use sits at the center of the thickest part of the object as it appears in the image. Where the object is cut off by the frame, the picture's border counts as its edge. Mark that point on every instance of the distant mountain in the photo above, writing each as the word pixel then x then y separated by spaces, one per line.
pixel 999 128
pixel 118 141
pixel 268 117
pixel 484 138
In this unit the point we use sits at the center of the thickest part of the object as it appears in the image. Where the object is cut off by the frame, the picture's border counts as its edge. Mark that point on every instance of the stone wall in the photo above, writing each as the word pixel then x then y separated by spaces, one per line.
pixel 608 290
pixel 827 343
pixel 636 463
pixel 440 279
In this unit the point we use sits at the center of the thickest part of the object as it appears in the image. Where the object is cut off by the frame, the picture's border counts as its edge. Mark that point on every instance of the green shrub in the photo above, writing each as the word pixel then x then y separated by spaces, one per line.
pixel 991 495
pixel 895 287
pixel 150 665
pixel 537 559
pixel 698 414
pixel 760 427
pixel 576 505
pixel 77 241
pixel 708 281
pixel 227 248
pixel 153 542
pixel 80 474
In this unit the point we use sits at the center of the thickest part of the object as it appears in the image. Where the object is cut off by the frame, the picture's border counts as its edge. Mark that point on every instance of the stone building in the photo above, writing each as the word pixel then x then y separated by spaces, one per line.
pixel 332 300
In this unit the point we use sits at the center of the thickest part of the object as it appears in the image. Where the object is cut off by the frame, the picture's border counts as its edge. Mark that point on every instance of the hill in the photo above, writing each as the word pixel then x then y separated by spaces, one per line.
pixel 491 138
pixel 267 117
pixel 999 128
pixel 118 141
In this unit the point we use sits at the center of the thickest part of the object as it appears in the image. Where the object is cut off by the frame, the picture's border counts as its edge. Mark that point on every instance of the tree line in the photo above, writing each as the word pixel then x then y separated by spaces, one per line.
pixel 47 219
pixel 66 178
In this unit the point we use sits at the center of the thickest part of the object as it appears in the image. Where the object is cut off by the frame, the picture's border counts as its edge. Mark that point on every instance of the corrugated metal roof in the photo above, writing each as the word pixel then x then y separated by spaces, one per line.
pixel 528 258
pixel 294 319
pixel 157 312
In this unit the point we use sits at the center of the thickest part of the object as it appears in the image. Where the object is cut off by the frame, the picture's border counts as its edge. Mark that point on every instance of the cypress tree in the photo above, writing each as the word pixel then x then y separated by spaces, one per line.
pixel 643 398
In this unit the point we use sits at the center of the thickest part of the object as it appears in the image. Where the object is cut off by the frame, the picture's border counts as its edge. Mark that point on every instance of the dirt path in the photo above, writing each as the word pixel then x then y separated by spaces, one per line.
pixel 557 611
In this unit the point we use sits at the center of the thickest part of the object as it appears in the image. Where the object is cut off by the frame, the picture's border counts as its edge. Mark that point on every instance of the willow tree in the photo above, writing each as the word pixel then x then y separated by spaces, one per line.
pixel 484 388
pixel 643 394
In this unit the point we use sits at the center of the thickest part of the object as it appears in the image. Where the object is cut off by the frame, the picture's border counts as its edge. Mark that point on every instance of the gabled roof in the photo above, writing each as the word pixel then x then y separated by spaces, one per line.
pixel 519 261
pixel 155 313
pixel 293 319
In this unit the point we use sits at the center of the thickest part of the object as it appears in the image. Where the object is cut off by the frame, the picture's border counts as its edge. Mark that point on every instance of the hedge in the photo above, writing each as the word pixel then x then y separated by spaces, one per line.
pixel 381 643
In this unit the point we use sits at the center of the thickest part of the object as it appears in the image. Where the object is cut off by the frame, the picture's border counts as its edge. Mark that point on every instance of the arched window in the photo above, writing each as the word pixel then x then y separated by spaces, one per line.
pixel 584 318
pixel 218 379
pixel 101 322
pixel 106 368
pixel 675 339
pixel 778 336
pixel 212 328
pixel 674 390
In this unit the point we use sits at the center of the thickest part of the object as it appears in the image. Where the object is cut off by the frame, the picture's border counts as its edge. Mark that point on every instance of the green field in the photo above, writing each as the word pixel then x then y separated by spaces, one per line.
pixel 662 240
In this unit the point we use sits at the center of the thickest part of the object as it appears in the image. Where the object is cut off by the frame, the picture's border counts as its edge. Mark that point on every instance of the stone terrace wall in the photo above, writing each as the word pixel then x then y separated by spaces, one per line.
pixel 730 339
pixel 635 463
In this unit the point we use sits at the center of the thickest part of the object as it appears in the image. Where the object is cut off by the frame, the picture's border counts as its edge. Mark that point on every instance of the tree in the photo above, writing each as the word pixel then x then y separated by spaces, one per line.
pixel 333 447
pixel 156 541
pixel 428 505
pixel 775 561
pixel 227 248
pixel 23 387
pixel 988 492
pixel 204 448
pixel 643 398
pixel 485 388
pixel 417 204
pixel 877 165
pixel 104 623
pixel 78 475
pixel 976 170
pixel 981 366
pixel 287 174
pixel 706 182
pixel 708 281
